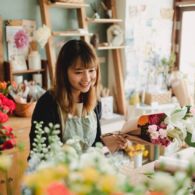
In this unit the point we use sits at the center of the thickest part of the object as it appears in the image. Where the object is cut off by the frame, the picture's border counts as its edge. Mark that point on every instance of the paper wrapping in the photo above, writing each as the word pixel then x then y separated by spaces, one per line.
pixel 131 126
pixel 180 90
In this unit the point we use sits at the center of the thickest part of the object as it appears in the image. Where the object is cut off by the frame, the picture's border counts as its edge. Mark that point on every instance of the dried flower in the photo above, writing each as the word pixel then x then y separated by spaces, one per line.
pixel 42 35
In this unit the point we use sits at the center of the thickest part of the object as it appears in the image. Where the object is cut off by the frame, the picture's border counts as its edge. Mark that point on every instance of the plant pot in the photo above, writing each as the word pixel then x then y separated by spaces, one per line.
pixel 25 110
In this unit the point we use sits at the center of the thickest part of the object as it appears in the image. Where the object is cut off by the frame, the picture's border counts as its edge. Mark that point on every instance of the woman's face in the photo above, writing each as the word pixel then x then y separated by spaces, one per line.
pixel 81 79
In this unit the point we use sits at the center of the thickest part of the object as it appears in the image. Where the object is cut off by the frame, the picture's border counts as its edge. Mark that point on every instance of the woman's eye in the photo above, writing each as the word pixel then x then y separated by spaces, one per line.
pixel 78 72
pixel 92 70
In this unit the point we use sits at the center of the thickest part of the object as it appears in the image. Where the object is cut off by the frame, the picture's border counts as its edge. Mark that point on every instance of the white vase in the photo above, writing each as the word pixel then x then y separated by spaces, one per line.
pixel 34 60
pixel 138 160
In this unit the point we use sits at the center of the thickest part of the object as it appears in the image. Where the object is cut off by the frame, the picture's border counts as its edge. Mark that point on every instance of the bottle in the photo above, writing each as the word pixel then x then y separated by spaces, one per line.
pixel 34 58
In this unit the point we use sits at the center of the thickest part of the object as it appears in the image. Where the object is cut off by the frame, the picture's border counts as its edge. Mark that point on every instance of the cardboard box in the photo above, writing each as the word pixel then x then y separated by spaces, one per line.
pixel 160 98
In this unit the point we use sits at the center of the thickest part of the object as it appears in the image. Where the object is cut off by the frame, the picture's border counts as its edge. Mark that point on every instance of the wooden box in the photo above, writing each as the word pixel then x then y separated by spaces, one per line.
pixel 160 98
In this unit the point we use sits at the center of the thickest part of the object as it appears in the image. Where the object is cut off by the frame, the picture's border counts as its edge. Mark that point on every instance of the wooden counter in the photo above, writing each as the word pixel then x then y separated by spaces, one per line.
pixel 21 129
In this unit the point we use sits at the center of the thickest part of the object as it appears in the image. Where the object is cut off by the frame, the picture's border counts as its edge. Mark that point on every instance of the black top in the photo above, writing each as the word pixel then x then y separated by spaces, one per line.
pixel 46 110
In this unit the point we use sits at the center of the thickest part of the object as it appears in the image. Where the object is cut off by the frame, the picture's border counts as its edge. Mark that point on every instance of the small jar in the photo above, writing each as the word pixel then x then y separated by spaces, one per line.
pixel 34 60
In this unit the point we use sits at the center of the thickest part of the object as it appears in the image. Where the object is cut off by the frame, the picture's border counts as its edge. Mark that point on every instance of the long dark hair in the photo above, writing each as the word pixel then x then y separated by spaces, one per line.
pixel 70 53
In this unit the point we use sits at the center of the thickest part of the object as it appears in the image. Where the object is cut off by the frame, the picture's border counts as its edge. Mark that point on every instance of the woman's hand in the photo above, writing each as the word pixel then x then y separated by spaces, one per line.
pixel 122 142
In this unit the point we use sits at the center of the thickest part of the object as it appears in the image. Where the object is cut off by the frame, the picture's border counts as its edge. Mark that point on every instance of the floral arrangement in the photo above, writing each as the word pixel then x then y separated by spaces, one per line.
pixel 7 106
pixel 136 149
pixel 21 39
pixel 59 169
pixel 178 127
pixel 62 170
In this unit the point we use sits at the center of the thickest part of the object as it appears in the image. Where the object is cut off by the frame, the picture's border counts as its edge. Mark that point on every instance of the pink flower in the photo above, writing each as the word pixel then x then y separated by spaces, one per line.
pixel 163 133
pixel 192 110
pixel 21 39
pixel 152 128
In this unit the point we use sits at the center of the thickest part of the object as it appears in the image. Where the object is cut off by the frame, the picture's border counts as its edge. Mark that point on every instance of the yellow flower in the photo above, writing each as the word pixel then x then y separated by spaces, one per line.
pixel 42 178
pixel 108 183
pixel 90 175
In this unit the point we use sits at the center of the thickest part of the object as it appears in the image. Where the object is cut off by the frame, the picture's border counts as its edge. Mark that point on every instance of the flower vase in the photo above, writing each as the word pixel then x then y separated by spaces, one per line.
pixel 34 60
pixel 138 159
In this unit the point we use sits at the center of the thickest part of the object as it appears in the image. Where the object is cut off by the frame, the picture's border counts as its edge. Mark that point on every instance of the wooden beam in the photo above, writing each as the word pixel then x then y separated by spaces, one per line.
pixel 44 6
pixel 1 50
pixel 119 90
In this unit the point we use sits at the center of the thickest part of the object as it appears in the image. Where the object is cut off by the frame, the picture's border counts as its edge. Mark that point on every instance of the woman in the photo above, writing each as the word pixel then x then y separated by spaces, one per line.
pixel 73 100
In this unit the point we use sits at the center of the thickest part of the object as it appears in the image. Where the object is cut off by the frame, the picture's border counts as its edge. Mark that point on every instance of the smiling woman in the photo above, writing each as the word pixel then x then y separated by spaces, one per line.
pixel 73 100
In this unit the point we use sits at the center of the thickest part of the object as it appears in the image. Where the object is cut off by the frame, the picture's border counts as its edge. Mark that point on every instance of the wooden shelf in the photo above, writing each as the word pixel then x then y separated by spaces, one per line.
pixel 104 20
pixel 102 47
pixel 30 71
pixel 186 4
pixel 10 73
pixel 70 33
pixel 68 5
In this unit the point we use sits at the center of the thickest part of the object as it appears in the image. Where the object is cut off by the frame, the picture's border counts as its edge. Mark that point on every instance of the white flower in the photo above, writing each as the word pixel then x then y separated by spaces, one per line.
pixel 42 35
pixel 154 135
pixel 168 186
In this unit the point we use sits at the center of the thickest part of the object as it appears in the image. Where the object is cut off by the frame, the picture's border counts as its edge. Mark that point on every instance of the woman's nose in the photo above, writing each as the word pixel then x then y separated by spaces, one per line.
pixel 86 76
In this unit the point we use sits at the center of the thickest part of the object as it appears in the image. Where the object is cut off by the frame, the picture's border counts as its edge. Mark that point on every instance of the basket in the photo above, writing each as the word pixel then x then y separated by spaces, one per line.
pixel 25 110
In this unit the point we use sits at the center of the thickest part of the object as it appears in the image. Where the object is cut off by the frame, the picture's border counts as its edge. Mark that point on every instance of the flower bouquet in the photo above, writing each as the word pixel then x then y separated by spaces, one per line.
pixel 7 106
pixel 162 129
pixel 62 170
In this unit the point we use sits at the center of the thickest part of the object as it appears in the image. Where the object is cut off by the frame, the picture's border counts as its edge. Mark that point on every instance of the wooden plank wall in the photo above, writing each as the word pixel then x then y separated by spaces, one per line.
pixel 1 50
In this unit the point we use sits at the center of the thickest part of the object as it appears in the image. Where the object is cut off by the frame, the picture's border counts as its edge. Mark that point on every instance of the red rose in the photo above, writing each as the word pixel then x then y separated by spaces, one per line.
pixel 156 119
pixel 3 117
pixel 9 144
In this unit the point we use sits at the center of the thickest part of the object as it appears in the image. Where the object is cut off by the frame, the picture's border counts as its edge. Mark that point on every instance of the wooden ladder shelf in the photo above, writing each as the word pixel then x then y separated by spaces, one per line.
pixel 45 6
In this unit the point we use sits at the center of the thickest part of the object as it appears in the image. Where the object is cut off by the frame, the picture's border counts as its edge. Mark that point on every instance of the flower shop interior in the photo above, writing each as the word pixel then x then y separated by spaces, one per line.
pixel 147 95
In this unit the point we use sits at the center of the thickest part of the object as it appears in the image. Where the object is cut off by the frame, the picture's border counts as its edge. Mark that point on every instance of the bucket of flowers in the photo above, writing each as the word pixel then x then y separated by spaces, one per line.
pixel 25 96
